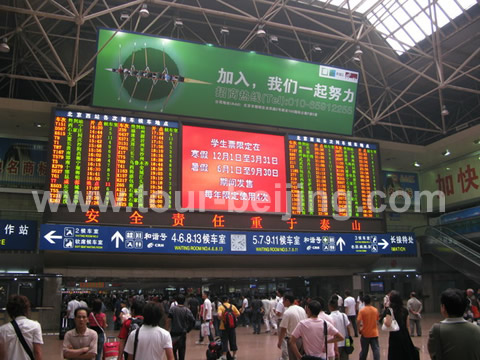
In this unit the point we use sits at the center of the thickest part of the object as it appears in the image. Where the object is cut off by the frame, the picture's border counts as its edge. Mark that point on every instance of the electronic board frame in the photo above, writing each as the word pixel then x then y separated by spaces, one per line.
pixel 217 219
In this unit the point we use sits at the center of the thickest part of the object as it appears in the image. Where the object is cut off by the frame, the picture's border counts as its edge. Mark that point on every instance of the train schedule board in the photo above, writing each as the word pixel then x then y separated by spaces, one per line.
pixel 121 170
pixel 103 159
pixel 333 177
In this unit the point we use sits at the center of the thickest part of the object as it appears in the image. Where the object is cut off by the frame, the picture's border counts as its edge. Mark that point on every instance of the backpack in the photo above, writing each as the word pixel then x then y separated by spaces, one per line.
pixel 134 324
pixel 229 319
pixel 214 350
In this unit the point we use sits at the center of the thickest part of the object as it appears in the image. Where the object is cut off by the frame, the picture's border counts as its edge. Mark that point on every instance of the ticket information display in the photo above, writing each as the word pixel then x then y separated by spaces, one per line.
pixel 121 170
pixel 101 159
pixel 233 171
pixel 330 176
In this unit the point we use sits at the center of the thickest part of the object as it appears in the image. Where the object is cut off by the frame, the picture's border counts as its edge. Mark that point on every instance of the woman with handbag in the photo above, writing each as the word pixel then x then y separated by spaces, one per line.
pixel 395 320
pixel 97 321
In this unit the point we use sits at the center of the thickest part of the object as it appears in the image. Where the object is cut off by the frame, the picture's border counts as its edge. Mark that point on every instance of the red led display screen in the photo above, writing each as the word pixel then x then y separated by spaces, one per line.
pixel 226 170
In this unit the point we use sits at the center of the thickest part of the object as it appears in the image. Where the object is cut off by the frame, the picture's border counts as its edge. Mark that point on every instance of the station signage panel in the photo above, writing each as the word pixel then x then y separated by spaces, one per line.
pixel 182 241
pixel 18 235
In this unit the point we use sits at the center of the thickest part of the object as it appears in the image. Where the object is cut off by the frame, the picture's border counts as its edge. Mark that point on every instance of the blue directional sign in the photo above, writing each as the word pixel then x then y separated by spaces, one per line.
pixel 182 241
pixel 18 235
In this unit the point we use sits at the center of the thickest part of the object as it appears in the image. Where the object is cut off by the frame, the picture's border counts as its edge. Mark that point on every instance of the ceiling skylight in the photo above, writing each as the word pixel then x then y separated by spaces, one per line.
pixel 404 23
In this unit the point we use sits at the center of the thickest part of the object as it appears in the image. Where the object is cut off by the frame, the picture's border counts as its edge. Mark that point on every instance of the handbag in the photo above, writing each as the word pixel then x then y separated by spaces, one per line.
pixel 205 329
pixel 393 326
pixel 348 339
pixel 103 331
pixel 198 324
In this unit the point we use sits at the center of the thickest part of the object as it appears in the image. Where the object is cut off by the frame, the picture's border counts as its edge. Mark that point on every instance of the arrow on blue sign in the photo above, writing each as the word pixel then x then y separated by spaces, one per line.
pixel 117 237
pixel 341 243
pixel 384 244
pixel 49 237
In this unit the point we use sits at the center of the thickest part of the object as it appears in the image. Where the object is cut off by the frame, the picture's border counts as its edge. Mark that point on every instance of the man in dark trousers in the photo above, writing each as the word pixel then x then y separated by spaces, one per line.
pixel 180 322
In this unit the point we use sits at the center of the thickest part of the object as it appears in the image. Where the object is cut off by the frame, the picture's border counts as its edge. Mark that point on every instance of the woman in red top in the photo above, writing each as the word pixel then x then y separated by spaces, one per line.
pixel 97 321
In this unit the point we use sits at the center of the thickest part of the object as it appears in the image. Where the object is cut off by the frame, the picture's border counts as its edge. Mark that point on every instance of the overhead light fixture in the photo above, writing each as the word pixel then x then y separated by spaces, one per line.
pixel 178 23
pixel 273 39
pixel 4 48
pixel 124 16
pixel 317 48
pixel 445 111
pixel 144 11
pixel 357 55
pixel 260 32
pixel 446 152
pixel 416 164
pixel 224 31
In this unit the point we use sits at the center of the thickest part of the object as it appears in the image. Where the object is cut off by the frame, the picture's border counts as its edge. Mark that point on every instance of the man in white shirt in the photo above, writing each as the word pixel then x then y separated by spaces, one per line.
pixel 18 307
pixel 291 317
pixel 245 312
pixel 340 300
pixel 332 348
pixel 273 314
pixel 349 304
pixel 279 308
pixel 206 317
pixel 341 322
pixel 71 307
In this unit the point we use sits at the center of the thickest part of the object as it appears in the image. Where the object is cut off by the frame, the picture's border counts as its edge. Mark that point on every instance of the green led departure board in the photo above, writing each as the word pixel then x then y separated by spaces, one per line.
pixel 112 159
pixel 331 176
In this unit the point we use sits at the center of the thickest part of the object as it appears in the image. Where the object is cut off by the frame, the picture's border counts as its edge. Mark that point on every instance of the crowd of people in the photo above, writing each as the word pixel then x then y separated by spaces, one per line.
pixel 306 328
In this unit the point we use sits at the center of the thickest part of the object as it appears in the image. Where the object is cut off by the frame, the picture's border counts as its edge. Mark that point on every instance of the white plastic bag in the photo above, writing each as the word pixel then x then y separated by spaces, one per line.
pixel 205 329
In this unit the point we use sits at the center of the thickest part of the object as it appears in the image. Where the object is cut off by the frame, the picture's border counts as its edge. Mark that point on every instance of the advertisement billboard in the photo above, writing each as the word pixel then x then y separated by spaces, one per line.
pixel 148 73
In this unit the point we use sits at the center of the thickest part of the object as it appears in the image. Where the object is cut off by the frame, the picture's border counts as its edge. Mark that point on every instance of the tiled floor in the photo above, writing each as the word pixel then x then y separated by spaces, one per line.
pixel 259 347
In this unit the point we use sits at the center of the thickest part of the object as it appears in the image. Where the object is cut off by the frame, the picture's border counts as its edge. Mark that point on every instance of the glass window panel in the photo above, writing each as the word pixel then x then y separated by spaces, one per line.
pixel 423 3
pixel 414 31
pixel 382 29
pixel 467 4
pixel 442 19
pixel 401 16
pixel 353 3
pixel 365 6
pixel 412 8
pixel 391 24
pixel 450 7
pixel 424 23
pixel 396 46
pixel 403 38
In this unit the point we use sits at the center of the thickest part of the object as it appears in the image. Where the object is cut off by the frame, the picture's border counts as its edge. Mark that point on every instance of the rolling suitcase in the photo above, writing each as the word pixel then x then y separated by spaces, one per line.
pixel 111 349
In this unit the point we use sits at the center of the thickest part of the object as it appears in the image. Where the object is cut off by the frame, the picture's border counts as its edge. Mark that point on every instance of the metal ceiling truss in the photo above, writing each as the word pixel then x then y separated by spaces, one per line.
pixel 400 98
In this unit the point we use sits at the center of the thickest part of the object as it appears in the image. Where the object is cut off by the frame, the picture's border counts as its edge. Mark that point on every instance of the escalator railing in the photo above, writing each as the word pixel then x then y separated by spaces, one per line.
pixel 456 250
